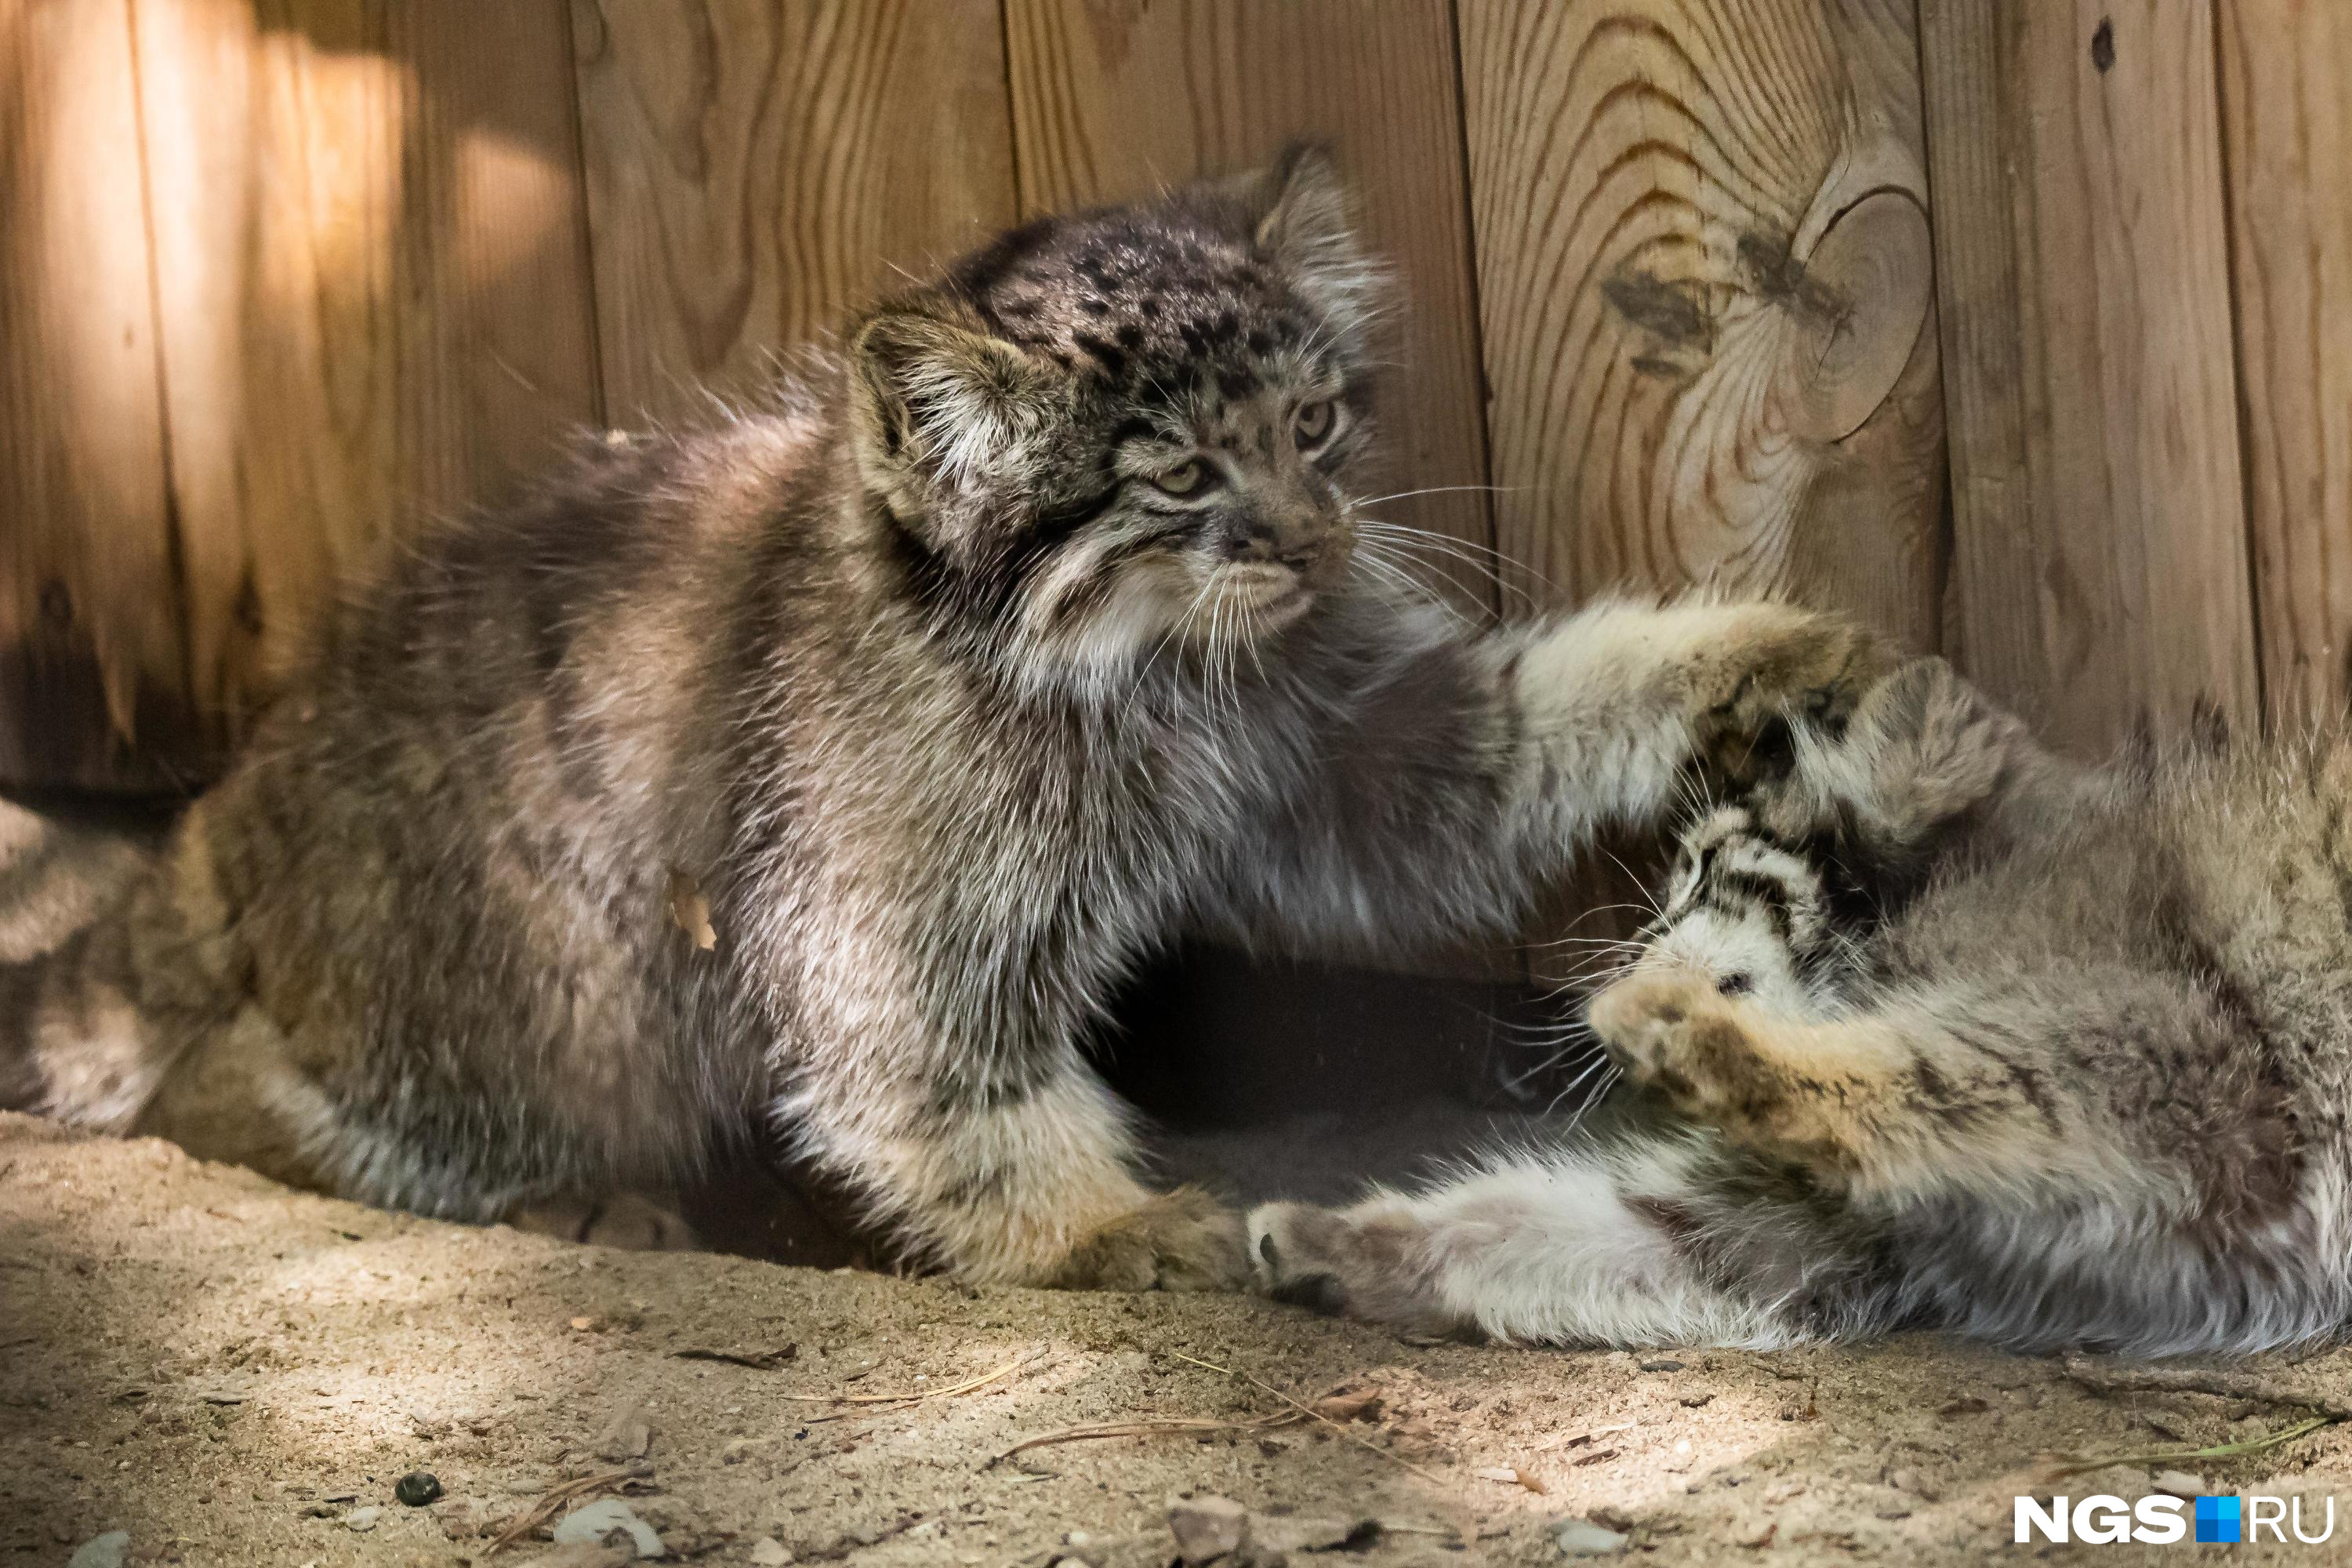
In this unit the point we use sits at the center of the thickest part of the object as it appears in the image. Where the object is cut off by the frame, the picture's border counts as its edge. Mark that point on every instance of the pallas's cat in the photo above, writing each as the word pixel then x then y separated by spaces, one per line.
pixel 826 767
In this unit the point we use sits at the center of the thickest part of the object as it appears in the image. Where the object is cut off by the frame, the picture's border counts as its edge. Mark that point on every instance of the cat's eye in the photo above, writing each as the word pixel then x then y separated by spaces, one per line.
pixel 1189 477
pixel 1736 983
pixel 1312 424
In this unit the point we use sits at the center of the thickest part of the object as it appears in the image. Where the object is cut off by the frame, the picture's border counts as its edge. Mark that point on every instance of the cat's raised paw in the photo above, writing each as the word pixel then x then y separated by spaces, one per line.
pixel 1673 1033
pixel 1778 662
pixel 1723 1061
pixel 1183 1240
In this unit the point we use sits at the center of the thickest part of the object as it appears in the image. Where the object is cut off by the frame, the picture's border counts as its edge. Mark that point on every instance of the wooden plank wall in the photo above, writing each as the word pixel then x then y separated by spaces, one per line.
pixel 372 288
pixel 1704 269
pixel 2287 120
pixel 2143 259
pixel 756 167
pixel 1695 289
pixel 2098 494
pixel 89 595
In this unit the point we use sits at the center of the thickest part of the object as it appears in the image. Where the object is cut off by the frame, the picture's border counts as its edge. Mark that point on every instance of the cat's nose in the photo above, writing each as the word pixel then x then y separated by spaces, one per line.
pixel 1275 539
pixel 1250 540
pixel 1298 530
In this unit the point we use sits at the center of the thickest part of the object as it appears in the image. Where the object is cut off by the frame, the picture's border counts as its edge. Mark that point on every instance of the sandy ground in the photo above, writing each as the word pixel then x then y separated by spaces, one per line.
pixel 233 1374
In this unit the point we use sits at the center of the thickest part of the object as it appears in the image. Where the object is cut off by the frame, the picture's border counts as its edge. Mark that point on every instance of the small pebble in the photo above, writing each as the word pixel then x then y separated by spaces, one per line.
pixel 1582 1538
pixel 362 1519
pixel 1206 1528
pixel 599 1521
pixel 1911 1481
pixel 106 1551
pixel 1662 1366
pixel 627 1439
pixel 2179 1483
pixel 417 1488
pixel 769 1553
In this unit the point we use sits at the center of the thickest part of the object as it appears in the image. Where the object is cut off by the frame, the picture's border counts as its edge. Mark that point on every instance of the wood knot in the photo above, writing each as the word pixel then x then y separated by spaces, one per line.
pixel 56 608
pixel 1856 305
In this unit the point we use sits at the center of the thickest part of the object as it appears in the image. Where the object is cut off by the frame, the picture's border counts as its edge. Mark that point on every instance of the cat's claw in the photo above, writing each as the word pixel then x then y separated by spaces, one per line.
pixel 1298 1253
pixel 1370 1262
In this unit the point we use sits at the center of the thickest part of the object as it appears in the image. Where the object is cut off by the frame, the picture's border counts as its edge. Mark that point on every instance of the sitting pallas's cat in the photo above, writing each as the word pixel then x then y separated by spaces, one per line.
pixel 829 767
pixel 1958 1034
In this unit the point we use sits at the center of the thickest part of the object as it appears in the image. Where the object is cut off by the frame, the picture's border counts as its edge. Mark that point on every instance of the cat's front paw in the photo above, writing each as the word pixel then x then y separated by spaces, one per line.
pixel 1772 663
pixel 1674 1034
pixel 1368 1262
pixel 1183 1240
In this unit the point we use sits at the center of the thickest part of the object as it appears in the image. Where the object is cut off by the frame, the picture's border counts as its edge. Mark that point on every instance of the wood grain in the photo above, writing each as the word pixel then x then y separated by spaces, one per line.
pixel 2100 569
pixel 374 283
pixel 755 168
pixel 1707 297
pixel 90 645
pixel 2287 120
pixel 1116 99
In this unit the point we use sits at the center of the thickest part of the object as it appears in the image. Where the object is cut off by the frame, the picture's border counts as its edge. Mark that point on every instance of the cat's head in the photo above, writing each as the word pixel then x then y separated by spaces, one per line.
pixel 1120 430
pixel 1755 916
pixel 1776 894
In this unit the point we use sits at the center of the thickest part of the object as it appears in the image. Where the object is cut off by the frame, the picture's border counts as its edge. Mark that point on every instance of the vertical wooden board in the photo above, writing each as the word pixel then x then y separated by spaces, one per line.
pixel 2100 570
pixel 89 641
pixel 1705 276
pixel 756 167
pixel 375 291
pixel 2286 110
pixel 497 336
pixel 1114 99
pixel 1705 282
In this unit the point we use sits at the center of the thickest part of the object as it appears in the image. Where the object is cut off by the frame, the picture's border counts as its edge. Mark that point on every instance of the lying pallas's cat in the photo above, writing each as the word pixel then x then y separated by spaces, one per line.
pixel 1958 1034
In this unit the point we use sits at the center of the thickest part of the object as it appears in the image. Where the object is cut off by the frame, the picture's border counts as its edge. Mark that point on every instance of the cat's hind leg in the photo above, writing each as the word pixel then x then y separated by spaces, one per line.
pixel 1655 1241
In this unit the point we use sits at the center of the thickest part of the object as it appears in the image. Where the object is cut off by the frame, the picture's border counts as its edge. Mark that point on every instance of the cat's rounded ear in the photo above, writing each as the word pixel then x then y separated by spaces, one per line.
pixel 938 404
pixel 1303 218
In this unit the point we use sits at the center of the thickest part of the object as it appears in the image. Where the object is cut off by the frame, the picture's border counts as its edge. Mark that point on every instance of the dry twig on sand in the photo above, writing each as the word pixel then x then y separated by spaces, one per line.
pixel 2108 1379
pixel 1143 1427
pixel 2076 1463
pixel 1579 1439
pixel 758 1361
pixel 1333 1407
pixel 1310 1412
pixel 867 1403
pixel 2251 1387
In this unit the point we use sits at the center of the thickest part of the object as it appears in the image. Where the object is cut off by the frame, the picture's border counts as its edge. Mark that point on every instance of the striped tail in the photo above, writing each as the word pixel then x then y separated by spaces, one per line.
pixel 57 882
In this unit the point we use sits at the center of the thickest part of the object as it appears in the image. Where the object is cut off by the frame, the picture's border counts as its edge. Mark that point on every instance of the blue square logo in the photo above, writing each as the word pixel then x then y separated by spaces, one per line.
pixel 2218 1519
